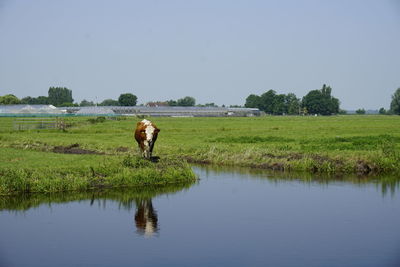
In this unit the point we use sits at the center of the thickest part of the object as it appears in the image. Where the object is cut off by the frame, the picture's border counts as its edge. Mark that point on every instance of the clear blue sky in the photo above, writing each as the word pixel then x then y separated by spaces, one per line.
pixel 216 51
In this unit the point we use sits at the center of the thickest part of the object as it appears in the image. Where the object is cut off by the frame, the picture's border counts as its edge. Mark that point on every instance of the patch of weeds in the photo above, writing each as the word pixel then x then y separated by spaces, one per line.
pixel 100 119
pixel 122 149
pixel 135 162
pixel 251 139
pixel 141 116
pixel 388 149
pixel 284 148
pixel 121 118
pixel 74 149
pixel 350 143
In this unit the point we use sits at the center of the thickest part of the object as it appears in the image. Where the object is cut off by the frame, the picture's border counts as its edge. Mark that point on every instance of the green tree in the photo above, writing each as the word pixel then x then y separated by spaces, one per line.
pixel 335 105
pixel 360 111
pixel 27 100
pixel 59 95
pixel 272 103
pixel 321 101
pixel 267 101
pixel 41 100
pixel 211 105
pixel 293 104
pixel 382 111
pixel 109 102
pixel 172 103
pixel 85 103
pixel 395 104
pixel 69 104
pixel 9 100
pixel 127 99
pixel 312 102
pixel 253 101
pixel 187 101
pixel 279 106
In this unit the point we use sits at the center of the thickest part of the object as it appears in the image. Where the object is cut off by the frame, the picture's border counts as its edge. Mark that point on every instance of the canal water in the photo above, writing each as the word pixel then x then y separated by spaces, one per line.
pixel 228 218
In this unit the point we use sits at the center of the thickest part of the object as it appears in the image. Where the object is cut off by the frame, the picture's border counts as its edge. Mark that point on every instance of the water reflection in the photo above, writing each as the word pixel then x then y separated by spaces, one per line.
pixel 146 218
pixel 250 217
pixel 138 199
pixel 386 184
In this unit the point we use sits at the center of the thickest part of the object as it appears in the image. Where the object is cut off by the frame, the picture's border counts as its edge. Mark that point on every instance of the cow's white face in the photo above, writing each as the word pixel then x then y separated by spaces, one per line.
pixel 149 130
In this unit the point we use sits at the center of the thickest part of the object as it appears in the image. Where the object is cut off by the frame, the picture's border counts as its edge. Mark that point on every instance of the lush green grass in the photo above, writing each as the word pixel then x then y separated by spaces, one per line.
pixel 337 144
pixel 347 144
pixel 26 171
pixel 388 184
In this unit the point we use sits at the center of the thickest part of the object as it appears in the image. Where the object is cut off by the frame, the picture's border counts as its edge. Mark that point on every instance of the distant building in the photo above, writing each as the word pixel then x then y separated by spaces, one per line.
pixel 22 109
pixel 168 111
pixel 93 111
pixel 154 111
pixel 157 104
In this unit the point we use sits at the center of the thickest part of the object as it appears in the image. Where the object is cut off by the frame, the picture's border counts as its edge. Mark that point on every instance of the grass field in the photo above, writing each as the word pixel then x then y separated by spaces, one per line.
pixel 366 144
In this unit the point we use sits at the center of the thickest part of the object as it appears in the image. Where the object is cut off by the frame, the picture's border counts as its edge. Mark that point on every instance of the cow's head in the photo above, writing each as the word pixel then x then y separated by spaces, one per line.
pixel 146 135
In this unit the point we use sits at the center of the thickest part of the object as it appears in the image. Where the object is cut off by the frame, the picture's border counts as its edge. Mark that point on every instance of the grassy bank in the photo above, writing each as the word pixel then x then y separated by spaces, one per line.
pixel 337 144
pixel 386 183
pixel 27 171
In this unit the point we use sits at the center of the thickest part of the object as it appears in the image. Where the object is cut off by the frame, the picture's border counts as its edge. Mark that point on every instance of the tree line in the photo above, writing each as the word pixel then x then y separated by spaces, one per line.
pixel 319 101
pixel 62 97
pixel 57 96
pixel 315 102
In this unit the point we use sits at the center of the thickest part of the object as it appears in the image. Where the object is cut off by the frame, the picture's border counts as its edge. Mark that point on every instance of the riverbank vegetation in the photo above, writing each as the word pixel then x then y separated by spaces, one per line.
pixel 31 171
pixel 103 151
pixel 388 184
pixel 335 144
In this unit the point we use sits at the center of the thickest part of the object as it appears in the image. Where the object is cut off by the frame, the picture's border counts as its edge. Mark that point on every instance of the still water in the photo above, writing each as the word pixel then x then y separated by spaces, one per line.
pixel 228 218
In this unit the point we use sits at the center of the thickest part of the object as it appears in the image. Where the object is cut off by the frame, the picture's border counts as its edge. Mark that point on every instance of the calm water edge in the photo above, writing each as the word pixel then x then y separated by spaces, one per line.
pixel 228 218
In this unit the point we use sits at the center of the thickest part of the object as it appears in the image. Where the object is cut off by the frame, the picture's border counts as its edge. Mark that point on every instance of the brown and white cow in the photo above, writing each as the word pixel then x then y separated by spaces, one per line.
pixel 146 135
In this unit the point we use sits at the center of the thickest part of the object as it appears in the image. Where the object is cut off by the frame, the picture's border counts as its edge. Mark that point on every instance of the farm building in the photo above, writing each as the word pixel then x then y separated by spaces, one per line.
pixel 94 111
pixel 29 110
pixel 176 111
pixel 49 110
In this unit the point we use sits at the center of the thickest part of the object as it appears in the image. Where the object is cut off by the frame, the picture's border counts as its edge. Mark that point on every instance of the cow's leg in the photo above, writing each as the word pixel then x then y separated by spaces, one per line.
pixel 151 149
pixel 142 150
pixel 146 149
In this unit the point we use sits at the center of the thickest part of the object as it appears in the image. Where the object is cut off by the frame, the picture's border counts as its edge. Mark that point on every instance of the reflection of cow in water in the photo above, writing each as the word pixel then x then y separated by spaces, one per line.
pixel 146 135
pixel 146 217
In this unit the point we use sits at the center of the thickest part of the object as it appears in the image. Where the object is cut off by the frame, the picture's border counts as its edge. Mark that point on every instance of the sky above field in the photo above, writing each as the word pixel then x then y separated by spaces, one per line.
pixel 216 51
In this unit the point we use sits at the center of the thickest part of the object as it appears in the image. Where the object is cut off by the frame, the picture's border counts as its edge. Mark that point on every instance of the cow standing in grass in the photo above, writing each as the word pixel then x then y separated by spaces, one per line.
pixel 146 135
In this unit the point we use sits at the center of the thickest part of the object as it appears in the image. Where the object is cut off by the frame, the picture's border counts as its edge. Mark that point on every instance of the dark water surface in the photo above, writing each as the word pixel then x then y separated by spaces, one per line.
pixel 229 218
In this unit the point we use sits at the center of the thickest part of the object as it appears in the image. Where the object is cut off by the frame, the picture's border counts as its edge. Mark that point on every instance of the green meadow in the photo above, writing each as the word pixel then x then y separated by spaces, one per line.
pixel 106 154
